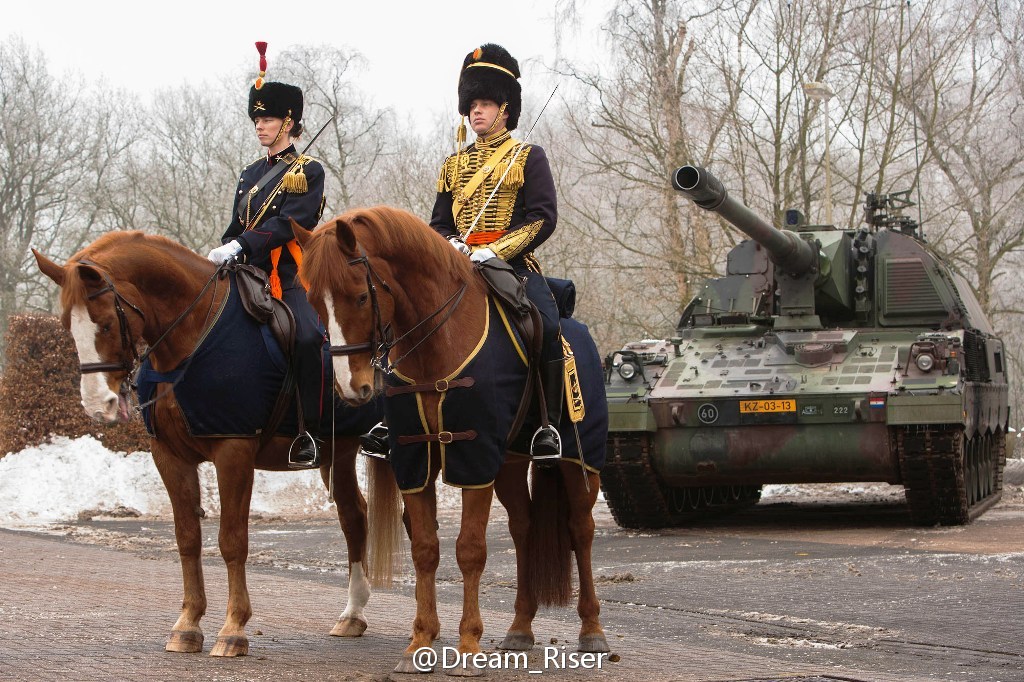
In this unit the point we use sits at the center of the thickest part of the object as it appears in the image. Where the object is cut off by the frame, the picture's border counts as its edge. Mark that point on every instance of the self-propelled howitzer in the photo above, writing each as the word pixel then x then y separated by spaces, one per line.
pixel 823 355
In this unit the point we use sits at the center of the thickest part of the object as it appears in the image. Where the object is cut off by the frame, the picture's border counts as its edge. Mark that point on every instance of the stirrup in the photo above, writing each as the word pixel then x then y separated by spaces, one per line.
pixel 374 443
pixel 301 441
pixel 558 444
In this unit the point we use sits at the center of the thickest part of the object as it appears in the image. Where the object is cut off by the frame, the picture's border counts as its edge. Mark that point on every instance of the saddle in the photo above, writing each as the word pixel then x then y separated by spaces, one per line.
pixel 509 291
pixel 254 291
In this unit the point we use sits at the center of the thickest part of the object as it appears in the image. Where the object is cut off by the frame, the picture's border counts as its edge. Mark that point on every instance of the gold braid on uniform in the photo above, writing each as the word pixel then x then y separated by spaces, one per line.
pixel 456 174
pixel 511 244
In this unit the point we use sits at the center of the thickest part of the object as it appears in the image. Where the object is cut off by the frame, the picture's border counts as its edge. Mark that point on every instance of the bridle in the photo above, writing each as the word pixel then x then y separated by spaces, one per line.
pixel 128 345
pixel 383 338
pixel 132 361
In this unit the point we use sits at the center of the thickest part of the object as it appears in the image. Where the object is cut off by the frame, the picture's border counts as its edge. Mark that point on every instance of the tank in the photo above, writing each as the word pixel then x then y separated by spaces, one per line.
pixel 822 356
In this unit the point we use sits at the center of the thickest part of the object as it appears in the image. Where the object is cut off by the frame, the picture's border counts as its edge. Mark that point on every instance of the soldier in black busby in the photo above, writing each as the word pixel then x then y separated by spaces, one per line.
pixel 511 224
pixel 274 188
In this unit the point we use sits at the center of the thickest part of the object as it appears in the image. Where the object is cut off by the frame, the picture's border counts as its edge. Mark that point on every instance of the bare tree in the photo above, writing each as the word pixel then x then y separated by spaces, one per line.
pixel 58 140
pixel 355 139
pixel 970 108
pixel 180 178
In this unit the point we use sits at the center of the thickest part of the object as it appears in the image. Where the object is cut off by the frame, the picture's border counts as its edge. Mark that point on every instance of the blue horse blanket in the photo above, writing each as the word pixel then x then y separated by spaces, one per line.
pixel 487 408
pixel 230 383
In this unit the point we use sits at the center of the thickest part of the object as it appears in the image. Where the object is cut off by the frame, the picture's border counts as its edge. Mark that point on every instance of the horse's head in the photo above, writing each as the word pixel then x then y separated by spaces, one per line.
pixel 354 301
pixel 107 328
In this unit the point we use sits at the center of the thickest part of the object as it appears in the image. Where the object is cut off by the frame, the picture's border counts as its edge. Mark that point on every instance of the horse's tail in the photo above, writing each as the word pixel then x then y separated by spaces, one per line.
pixel 385 522
pixel 549 549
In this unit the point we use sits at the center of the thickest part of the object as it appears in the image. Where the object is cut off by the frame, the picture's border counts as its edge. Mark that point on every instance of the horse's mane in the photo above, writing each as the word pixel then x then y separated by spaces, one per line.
pixel 398 236
pixel 116 251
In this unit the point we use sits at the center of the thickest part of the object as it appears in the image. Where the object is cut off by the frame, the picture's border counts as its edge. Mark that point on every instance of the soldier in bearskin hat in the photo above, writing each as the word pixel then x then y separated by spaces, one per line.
pixel 274 188
pixel 519 217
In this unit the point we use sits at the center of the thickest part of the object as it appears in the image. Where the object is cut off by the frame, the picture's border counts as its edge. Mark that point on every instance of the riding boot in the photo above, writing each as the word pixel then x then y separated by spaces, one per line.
pixel 546 442
pixel 304 452
pixel 374 443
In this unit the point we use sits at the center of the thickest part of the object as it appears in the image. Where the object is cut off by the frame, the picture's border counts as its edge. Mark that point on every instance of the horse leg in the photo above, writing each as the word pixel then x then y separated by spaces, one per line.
pixel 513 491
pixel 471 553
pixel 581 529
pixel 352 513
pixel 426 554
pixel 181 479
pixel 235 462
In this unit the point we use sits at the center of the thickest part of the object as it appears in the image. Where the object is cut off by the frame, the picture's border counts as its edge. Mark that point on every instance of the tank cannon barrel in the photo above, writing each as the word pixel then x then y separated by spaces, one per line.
pixel 788 251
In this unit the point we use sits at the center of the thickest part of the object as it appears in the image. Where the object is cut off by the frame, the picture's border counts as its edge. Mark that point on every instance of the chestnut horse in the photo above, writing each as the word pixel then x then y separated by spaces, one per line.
pixel 396 295
pixel 127 290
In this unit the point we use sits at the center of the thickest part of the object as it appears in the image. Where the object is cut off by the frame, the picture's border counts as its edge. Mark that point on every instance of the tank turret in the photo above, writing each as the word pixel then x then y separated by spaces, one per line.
pixel 821 355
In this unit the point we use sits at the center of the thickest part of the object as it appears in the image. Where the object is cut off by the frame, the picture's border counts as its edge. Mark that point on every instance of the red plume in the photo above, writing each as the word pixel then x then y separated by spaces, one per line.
pixel 261 47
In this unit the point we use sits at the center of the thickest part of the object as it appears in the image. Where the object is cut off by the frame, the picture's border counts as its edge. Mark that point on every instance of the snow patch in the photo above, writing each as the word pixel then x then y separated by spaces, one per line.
pixel 55 481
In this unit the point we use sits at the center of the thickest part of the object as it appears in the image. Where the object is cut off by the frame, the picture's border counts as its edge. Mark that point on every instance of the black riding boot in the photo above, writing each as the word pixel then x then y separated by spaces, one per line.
pixel 374 443
pixel 546 442
pixel 305 450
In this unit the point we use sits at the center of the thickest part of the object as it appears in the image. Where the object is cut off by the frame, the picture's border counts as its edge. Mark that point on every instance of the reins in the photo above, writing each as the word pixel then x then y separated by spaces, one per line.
pixel 128 346
pixel 383 339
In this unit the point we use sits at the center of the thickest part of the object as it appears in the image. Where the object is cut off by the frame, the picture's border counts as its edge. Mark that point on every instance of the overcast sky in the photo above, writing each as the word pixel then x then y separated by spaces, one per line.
pixel 414 49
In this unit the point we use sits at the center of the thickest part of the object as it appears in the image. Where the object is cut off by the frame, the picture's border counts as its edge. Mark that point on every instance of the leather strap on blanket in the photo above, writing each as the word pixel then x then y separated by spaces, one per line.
pixel 443 437
pixel 440 386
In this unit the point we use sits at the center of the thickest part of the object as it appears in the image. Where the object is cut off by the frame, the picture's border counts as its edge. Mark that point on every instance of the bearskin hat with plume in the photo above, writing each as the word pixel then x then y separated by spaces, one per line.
pixel 275 99
pixel 490 72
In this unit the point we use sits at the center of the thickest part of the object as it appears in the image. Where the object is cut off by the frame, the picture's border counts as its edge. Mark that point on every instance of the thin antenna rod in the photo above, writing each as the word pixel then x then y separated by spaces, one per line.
pixel 913 107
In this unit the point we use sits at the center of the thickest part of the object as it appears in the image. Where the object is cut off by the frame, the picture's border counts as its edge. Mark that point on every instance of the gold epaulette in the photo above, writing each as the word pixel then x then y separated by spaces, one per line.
pixel 516 176
pixel 294 180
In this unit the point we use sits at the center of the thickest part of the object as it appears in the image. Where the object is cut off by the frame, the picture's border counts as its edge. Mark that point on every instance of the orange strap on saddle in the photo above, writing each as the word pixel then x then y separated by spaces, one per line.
pixel 276 290
pixel 480 238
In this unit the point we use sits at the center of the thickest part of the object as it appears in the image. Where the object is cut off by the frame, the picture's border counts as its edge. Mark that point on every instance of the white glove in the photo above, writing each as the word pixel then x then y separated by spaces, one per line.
pixel 222 254
pixel 480 255
pixel 459 245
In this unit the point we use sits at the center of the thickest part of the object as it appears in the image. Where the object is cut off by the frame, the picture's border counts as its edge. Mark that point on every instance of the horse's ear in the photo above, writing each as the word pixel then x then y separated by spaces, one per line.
pixel 346 237
pixel 49 268
pixel 90 276
pixel 302 235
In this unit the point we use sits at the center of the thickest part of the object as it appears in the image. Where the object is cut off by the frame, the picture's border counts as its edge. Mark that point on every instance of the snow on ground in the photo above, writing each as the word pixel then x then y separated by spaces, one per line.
pixel 59 481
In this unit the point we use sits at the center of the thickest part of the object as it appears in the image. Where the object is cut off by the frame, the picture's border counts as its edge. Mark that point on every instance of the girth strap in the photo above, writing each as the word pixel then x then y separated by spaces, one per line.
pixel 444 437
pixel 439 386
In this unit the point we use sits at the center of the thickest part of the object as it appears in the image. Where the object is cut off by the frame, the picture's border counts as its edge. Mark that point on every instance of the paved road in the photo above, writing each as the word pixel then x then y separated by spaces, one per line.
pixel 796 589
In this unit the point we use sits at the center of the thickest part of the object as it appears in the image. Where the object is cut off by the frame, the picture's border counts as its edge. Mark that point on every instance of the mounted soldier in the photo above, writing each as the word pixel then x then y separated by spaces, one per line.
pixel 496 199
pixel 272 190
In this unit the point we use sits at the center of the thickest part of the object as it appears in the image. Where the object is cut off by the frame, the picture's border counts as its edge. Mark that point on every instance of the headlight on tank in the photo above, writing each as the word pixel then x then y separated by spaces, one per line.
pixel 628 370
pixel 925 362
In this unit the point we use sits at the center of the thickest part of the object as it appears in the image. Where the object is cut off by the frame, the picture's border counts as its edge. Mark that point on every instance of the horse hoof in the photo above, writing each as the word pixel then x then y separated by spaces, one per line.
pixel 185 641
pixel 231 645
pixel 406 665
pixel 517 641
pixel 594 644
pixel 349 627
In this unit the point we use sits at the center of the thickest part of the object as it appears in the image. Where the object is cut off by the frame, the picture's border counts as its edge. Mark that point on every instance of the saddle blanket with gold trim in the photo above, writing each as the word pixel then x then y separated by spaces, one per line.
pixel 231 382
pixel 478 407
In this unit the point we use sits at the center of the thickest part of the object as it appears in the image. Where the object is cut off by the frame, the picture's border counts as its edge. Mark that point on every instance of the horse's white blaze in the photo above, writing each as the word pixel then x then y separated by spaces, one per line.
pixel 96 395
pixel 358 592
pixel 342 371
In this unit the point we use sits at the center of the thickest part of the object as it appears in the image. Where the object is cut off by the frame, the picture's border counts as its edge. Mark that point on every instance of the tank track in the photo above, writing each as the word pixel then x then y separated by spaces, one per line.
pixel 638 498
pixel 949 480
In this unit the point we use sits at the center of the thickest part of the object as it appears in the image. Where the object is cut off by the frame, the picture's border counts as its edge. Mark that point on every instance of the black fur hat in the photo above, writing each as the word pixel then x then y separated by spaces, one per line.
pixel 276 99
pixel 490 72
pixel 279 100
